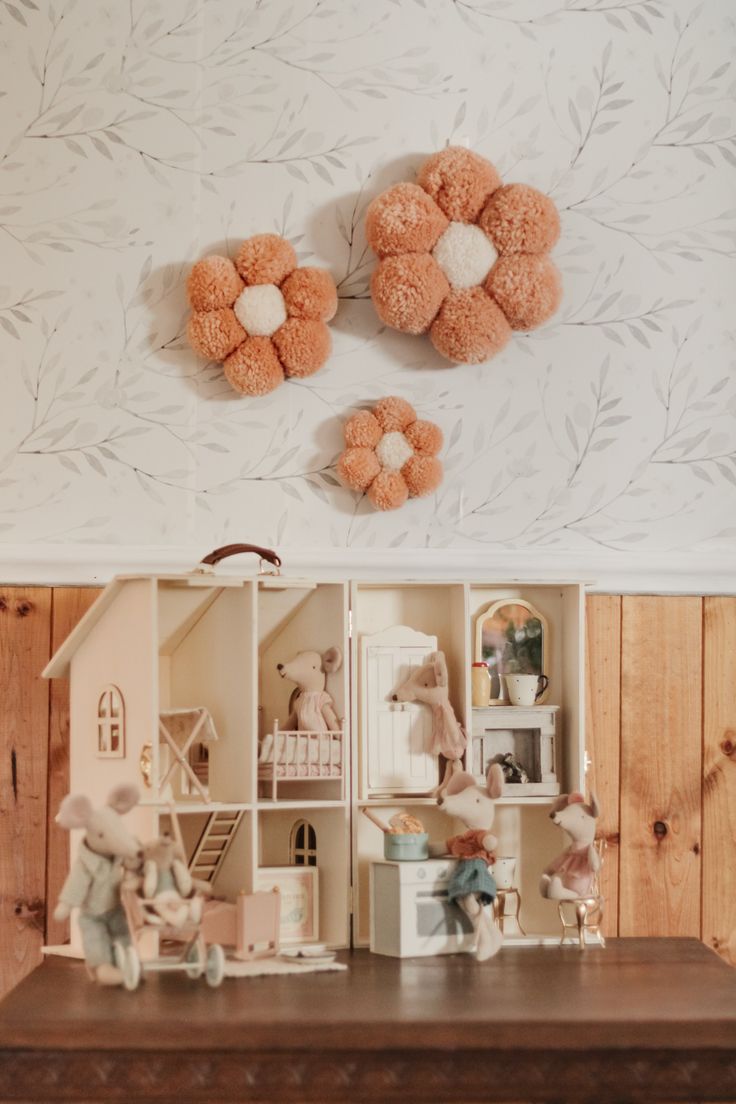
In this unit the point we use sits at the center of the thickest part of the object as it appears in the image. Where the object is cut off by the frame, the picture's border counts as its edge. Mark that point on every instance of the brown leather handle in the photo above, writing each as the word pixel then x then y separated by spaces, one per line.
pixel 236 549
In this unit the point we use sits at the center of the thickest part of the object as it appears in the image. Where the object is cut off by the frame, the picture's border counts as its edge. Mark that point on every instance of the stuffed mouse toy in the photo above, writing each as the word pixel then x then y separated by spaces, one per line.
pixel 429 684
pixel 93 884
pixel 472 885
pixel 572 874
pixel 164 880
pixel 311 709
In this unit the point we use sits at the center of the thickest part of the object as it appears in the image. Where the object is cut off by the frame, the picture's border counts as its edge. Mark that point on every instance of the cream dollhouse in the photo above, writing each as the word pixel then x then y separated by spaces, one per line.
pixel 175 685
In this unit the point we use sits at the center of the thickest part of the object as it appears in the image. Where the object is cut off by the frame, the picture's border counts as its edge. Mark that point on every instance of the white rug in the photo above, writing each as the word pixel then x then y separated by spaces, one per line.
pixel 261 966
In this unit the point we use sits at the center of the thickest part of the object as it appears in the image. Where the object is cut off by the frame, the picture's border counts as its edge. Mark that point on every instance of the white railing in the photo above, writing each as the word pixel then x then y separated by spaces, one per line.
pixel 297 755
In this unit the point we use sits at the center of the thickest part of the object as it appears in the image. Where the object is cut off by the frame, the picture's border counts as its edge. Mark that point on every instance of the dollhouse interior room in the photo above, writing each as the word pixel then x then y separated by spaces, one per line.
pixel 367 551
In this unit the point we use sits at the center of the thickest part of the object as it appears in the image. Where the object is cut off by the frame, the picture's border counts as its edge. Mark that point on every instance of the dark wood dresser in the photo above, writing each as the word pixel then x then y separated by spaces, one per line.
pixel 642 1021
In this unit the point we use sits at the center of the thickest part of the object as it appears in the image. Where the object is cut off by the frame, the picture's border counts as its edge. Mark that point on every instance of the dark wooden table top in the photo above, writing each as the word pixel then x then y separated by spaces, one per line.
pixel 645 1020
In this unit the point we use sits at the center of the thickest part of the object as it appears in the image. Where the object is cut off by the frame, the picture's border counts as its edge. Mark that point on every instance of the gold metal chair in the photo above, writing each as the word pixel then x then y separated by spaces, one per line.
pixel 500 908
pixel 585 914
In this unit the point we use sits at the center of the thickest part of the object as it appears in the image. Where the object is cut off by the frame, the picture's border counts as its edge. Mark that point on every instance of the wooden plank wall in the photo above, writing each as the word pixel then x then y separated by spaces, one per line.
pixel 661 724
pixel 718 920
pixel 25 633
pixel 69 606
pixel 603 729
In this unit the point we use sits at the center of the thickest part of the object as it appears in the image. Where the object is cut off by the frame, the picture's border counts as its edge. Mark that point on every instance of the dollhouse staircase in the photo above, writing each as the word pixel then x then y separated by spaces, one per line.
pixel 209 854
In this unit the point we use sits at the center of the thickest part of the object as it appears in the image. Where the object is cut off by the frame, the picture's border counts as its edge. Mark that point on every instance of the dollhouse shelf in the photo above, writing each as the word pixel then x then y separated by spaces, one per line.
pixel 522 799
pixel 498 713
pixel 369 802
pixel 273 806
pixel 196 806
pixel 383 802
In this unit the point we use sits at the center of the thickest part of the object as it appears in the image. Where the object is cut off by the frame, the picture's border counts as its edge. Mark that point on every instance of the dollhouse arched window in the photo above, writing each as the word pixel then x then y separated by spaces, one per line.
pixel 303 844
pixel 111 724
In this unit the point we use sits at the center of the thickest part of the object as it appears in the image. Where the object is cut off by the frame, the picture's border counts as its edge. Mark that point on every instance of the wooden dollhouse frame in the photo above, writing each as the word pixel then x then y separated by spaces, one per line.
pixel 214 640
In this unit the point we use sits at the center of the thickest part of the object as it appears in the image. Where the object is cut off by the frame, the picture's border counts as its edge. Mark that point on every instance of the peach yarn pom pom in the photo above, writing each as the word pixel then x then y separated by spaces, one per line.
pixel 391 454
pixel 265 259
pixel 519 219
pixel 213 283
pixel 463 257
pixel 262 317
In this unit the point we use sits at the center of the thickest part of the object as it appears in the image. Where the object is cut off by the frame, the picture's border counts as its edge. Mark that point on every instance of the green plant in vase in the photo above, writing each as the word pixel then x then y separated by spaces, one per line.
pixel 522 654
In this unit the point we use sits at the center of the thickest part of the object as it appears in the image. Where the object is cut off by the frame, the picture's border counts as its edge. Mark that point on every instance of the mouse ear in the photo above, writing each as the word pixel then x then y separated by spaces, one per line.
pixel 331 661
pixel 440 668
pixel 575 799
pixel 459 782
pixel 494 781
pixel 74 812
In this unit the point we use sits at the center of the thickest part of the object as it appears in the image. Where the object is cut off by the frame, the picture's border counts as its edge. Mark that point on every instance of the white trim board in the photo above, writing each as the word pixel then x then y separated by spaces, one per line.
pixel 695 572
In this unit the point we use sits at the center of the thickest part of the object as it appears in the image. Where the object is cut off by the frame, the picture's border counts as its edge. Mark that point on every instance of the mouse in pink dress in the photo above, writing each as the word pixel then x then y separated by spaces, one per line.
pixel 572 874
pixel 429 684
pixel 311 708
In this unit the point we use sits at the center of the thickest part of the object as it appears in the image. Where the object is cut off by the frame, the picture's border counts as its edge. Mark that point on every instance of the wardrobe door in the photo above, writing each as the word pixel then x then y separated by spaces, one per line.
pixel 399 734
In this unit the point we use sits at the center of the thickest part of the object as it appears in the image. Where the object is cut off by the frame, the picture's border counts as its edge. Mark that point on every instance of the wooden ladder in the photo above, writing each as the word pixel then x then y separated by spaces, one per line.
pixel 214 843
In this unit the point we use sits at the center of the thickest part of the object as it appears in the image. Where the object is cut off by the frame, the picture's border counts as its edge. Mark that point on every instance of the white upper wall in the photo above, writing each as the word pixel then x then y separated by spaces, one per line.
pixel 138 137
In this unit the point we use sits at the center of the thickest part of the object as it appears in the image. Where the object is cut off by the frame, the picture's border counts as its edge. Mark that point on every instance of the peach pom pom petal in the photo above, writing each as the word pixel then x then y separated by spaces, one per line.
pixel 263 317
pixel 391 455
pixel 463 257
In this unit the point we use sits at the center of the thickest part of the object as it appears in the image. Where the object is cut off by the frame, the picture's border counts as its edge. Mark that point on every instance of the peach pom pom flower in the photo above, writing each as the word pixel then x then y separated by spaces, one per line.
pixel 263 317
pixel 391 454
pixel 463 256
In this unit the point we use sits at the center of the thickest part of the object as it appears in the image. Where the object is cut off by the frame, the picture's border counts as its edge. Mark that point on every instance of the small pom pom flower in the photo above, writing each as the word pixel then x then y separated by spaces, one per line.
pixel 391 454
pixel 263 317
pixel 463 256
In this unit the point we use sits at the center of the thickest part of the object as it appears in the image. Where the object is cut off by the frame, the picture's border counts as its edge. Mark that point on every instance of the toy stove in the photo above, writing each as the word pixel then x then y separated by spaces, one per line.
pixel 410 912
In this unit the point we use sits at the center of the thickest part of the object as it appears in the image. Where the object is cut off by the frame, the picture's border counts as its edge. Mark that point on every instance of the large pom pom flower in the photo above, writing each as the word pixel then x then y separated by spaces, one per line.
pixel 463 257
pixel 391 454
pixel 263 317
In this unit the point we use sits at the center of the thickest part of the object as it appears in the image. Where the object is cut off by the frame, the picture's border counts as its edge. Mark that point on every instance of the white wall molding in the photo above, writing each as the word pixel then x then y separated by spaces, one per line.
pixel 707 572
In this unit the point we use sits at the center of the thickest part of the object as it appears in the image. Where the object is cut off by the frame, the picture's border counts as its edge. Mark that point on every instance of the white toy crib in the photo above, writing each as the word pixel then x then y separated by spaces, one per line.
pixel 292 755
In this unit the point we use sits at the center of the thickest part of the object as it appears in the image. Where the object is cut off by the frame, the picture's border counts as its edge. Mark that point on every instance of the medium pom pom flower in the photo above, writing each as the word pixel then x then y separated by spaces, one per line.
pixel 391 454
pixel 263 317
pixel 463 257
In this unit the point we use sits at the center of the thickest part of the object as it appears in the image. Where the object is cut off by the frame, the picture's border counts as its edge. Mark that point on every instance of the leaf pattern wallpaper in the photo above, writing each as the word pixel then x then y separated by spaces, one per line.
pixel 137 135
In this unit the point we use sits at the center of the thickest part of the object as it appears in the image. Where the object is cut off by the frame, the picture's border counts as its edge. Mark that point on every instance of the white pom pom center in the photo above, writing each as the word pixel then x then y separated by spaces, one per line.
pixel 393 450
pixel 465 254
pixel 260 309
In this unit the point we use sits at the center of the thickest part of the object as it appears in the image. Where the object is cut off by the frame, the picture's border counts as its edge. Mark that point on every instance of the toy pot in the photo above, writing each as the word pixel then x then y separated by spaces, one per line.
pixel 401 846
pixel 406 846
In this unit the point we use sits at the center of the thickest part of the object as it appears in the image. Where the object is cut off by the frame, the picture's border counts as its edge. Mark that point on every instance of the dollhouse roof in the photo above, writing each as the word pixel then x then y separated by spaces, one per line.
pixel 58 666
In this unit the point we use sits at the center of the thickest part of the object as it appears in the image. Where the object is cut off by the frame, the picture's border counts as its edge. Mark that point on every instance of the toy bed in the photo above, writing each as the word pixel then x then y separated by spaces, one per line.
pixel 290 755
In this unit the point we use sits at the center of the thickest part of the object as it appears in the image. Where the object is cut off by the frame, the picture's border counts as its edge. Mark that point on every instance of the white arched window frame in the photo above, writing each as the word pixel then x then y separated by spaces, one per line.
pixel 111 724
pixel 303 844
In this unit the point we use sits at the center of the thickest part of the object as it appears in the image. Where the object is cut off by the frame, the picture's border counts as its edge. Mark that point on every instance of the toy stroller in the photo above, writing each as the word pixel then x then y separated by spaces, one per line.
pixel 185 947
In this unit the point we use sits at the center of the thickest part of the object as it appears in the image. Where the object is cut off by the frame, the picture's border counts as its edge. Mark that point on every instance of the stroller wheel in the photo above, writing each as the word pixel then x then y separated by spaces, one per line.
pixel 195 956
pixel 129 964
pixel 215 965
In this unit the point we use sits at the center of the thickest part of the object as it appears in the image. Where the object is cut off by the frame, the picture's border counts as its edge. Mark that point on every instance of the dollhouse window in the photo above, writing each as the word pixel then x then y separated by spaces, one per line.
pixel 111 724
pixel 303 844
